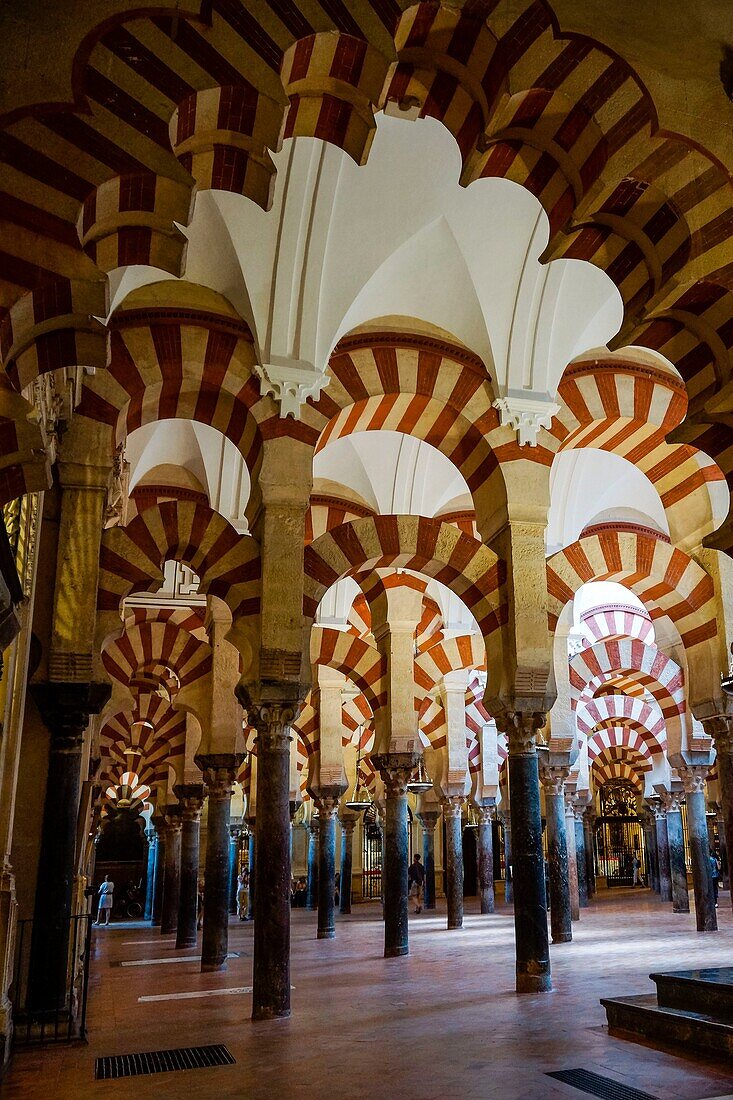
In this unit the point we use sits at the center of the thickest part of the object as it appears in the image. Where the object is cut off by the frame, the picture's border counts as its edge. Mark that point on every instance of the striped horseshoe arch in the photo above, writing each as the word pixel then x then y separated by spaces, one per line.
pixel 605 771
pixel 359 661
pixel 620 743
pixel 617 711
pixel 160 743
pixel 162 637
pixel 595 666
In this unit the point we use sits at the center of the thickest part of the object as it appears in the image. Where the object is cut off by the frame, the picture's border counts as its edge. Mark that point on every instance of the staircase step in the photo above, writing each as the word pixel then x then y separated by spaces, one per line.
pixel 709 990
pixel 644 1016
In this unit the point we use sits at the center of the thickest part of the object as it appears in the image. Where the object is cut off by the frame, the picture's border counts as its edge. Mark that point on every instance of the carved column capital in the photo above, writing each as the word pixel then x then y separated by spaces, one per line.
pixel 658 809
pixel 219 772
pixel 719 728
pixel 235 831
pixel 521 729
pixel 313 826
pixel 553 779
pixel 327 806
pixel 485 815
pixel 190 799
pixel 693 777
pixel 671 800
pixel 348 823
pixel 428 819
pixel 173 820
pixel 396 770
pixel 65 709
pixel 453 807
pixel 272 722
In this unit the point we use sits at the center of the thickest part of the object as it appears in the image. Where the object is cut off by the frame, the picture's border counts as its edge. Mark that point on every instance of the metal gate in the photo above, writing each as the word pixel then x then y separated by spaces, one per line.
pixel 372 854
pixel 46 1015
pixel 619 836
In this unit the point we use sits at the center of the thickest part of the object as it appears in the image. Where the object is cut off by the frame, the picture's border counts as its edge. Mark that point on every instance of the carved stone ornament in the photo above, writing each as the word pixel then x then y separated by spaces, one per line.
pixel 291 384
pixel 553 779
pixel 693 778
pixel 396 770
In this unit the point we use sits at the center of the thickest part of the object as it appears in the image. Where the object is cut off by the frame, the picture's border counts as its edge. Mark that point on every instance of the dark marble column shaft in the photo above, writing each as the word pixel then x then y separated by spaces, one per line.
pixel 553 779
pixel 721 731
pixel 152 840
pixel 485 859
pixel 348 824
pixel 190 798
pixel 428 820
pixel 677 865
pixel 652 859
pixel 665 875
pixel 172 883
pixel 580 859
pixel 452 811
pixel 530 903
pixel 311 895
pixel 590 862
pixel 252 868
pixel 508 874
pixel 271 964
pixel 572 857
pixel 327 811
pixel 706 918
pixel 234 834
pixel 159 887
pixel 395 769
pixel 219 772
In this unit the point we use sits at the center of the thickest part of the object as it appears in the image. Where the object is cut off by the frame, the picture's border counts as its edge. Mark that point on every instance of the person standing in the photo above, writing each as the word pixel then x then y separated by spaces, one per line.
pixel 416 882
pixel 243 895
pixel 715 875
pixel 637 872
pixel 106 898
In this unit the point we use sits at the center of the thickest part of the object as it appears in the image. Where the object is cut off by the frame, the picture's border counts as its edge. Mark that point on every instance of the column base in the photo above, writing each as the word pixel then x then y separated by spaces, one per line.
pixel 187 943
pixel 326 934
pixel 212 967
pixel 534 983
pixel 452 925
pixel 564 937
pixel 269 1014
pixel 395 952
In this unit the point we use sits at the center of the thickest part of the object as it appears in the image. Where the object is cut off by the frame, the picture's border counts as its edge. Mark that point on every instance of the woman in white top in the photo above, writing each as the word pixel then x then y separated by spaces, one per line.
pixel 106 892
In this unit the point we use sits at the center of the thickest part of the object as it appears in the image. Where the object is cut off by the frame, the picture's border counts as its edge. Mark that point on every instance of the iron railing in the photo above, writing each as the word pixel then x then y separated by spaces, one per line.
pixel 42 1014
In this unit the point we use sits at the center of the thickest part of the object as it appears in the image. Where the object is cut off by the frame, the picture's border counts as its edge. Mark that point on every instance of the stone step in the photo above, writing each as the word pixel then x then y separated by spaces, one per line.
pixel 709 990
pixel 642 1016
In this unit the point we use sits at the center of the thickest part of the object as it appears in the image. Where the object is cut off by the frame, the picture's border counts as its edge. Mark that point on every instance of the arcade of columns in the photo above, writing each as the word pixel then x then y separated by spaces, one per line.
pixel 106 330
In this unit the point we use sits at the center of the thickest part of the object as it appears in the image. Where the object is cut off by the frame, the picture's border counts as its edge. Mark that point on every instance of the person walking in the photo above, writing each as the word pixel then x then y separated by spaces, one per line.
pixel 416 882
pixel 636 865
pixel 243 894
pixel 106 899
pixel 715 875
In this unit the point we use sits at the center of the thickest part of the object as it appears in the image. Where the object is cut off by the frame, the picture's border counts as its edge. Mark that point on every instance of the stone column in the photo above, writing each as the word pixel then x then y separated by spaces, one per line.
pixel 251 867
pixel 553 780
pixel 720 730
pixel 580 857
pixel 327 811
pixel 219 772
pixel 191 800
pixel 311 897
pixel 235 833
pixel 693 779
pixel 172 884
pixel 530 903
pixel 650 836
pixel 452 816
pixel 572 857
pixel 152 839
pixel 665 875
pixel 395 769
pixel 159 886
pixel 677 865
pixel 590 850
pixel 485 860
pixel 725 866
pixel 428 820
pixel 271 966
pixel 65 709
pixel 508 885
pixel 348 824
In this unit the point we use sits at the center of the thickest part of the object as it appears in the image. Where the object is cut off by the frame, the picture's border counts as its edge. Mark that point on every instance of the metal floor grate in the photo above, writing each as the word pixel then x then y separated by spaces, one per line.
pixel 595 1085
pixel 161 1061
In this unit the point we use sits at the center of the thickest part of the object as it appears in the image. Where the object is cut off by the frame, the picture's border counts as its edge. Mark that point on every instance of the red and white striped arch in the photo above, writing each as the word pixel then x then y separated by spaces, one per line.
pixel 359 661
pixel 606 770
pixel 164 638
pixel 622 710
pixel 603 662
pixel 618 621
pixel 621 743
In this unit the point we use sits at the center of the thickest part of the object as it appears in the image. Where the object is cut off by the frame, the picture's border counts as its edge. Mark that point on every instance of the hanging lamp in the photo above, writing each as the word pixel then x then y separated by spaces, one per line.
pixel 359 799
pixel 421 781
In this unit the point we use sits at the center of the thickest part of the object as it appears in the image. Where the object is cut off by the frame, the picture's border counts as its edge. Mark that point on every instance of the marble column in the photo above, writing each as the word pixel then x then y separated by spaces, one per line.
pixel 159 887
pixel 580 857
pixel 724 864
pixel 172 884
pixel 452 816
pixel 572 856
pixel 693 779
pixel 219 772
pixel 530 903
pixel 271 964
pixel 553 781
pixel 590 850
pixel 327 811
pixel 311 896
pixel 677 865
pixel 428 820
pixel 65 710
pixel 348 824
pixel 720 729
pixel 251 867
pixel 652 859
pixel 485 858
pixel 395 770
pixel 665 875
pixel 152 839
pixel 508 884
pixel 190 800
pixel 235 833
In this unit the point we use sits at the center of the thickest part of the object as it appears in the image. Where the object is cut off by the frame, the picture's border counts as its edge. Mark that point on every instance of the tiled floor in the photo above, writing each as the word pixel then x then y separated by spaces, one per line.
pixel 444 1022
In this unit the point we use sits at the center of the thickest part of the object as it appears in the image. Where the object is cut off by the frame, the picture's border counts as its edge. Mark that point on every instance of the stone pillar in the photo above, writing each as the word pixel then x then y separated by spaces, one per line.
pixel 159 886
pixel 725 866
pixel 428 820
pixel 172 884
pixel 665 875
pixel 452 816
pixel 719 729
pixel 572 857
pixel 553 780
pixel 271 965
pixel 327 810
pixel 395 769
pixel 152 839
pixel 530 903
pixel 580 858
pixel 251 867
pixel 693 779
pixel 65 710
pixel 234 834
pixel 650 837
pixel 219 772
pixel 311 897
pixel 485 854
pixel 508 885
pixel 677 865
pixel 590 850
pixel 191 800
pixel 348 824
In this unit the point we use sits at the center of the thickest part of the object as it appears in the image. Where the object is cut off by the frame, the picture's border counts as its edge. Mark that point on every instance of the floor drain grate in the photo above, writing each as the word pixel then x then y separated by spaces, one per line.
pixel 595 1085
pixel 161 1061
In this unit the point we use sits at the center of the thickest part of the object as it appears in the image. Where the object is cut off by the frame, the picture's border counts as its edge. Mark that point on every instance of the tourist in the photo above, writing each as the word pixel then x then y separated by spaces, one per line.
pixel 243 894
pixel 715 875
pixel 636 865
pixel 106 896
pixel 416 881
